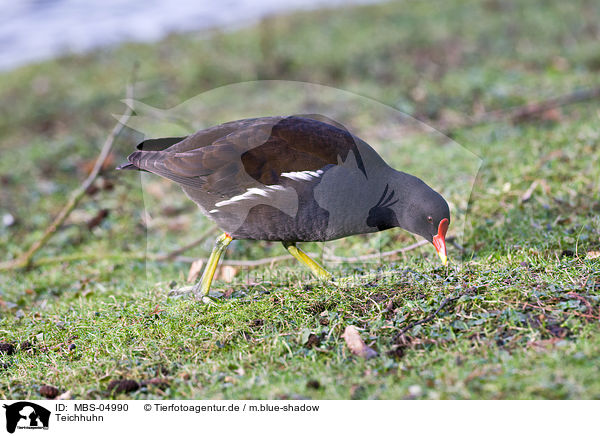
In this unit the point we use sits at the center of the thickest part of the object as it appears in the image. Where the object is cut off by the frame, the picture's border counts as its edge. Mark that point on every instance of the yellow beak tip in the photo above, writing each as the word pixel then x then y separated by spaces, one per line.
pixel 444 259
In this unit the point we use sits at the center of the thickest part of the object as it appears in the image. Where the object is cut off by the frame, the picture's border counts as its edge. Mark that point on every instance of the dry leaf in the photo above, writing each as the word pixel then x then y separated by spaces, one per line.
pixel 527 195
pixel 195 270
pixel 356 344
pixel 553 114
pixel 49 391
pixel 64 396
pixel 97 220
pixel 161 383
pixel 156 311
pixel 123 386
pixel 108 164
pixel 227 273
pixel 593 254
pixel 537 111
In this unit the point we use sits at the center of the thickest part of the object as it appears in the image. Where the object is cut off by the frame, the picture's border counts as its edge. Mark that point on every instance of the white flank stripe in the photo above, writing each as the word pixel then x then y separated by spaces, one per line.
pixel 303 175
pixel 250 194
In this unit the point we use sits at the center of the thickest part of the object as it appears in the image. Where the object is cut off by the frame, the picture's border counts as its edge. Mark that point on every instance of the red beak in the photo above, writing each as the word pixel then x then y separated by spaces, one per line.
pixel 439 240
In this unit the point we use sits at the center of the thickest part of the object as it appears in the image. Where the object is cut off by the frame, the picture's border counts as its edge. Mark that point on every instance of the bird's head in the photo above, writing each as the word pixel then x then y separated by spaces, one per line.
pixel 411 204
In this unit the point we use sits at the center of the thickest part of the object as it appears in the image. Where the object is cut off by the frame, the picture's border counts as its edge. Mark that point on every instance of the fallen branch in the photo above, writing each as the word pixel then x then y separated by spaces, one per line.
pixel 175 253
pixel 523 112
pixel 365 257
pixel 174 256
pixel 24 260
pixel 275 259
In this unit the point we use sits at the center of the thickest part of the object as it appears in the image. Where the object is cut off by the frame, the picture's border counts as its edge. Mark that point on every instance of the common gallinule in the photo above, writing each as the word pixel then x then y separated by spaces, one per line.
pixel 292 179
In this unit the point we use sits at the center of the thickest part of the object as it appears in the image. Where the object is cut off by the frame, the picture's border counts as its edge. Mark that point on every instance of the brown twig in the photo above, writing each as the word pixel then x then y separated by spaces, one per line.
pixel 428 318
pixel 24 260
pixel 174 256
pixel 523 112
pixel 543 309
pixel 285 257
pixel 585 301
pixel 175 253
pixel 365 257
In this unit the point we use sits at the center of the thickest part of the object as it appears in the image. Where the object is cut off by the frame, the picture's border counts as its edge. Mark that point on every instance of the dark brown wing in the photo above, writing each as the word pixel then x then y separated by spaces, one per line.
pixel 299 143
pixel 203 138
pixel 232 157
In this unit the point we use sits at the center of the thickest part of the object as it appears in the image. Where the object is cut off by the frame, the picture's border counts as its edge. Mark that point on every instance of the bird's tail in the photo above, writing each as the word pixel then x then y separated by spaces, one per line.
pixel 128 166
pixel 158 144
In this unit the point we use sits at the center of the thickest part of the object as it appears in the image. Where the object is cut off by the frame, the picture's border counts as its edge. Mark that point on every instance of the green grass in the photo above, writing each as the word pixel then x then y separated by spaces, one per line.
pixel 521 319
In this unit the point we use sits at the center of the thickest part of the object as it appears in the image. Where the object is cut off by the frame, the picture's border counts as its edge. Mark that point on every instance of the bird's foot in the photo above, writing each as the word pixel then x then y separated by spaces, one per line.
pixel 193 290
pixel 184 290
pixel 207 299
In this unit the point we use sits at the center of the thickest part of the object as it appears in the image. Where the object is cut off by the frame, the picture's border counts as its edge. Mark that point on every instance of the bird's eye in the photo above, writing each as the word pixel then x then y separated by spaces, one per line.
pixel 430 219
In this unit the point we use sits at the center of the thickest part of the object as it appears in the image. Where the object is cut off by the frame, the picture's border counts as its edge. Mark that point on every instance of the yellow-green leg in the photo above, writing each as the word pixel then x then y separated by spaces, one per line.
pixel 318 271
pixel 202 288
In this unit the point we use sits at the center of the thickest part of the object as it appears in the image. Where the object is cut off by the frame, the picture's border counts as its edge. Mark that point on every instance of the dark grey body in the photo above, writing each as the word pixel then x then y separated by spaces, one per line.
pixel 299 178
pixel 268 223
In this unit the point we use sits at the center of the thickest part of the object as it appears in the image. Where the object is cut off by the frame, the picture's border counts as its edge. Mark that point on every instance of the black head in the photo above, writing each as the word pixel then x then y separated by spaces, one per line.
pixel 408 202
pixel 425 214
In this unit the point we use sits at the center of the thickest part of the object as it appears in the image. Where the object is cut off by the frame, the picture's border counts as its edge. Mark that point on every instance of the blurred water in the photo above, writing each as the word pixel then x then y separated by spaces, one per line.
pixel 32 30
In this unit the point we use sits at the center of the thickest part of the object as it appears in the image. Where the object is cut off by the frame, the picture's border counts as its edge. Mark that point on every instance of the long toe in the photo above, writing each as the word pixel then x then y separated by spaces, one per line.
pixel 211 301
pixel 184 290
pixel 193 290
